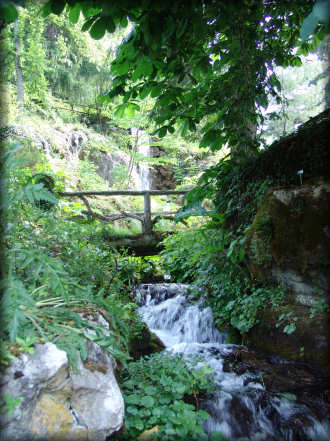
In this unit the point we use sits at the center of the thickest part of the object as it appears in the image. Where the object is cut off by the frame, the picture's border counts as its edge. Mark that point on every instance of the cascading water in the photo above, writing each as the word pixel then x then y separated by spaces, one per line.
pixel 143 148
pixel 240 408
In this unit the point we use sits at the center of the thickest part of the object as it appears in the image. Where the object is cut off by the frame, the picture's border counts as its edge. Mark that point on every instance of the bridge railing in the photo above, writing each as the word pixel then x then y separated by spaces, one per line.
pixel 146 221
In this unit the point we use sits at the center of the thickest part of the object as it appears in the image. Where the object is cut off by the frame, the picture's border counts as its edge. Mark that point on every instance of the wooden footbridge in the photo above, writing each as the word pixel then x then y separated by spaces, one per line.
pixel 145 243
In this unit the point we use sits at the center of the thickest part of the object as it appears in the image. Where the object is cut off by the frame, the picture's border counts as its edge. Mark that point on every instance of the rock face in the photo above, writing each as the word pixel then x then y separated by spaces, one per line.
pixel 69 144
pixel 289 242
pixel 58 404
pixel 162 176
pixel 108 164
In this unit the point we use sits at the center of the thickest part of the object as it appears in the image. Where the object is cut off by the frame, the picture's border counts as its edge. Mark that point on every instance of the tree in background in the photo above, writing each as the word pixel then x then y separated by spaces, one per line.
pixel 207 64
pixel 302 97
pixel 50 57
pixel 323 53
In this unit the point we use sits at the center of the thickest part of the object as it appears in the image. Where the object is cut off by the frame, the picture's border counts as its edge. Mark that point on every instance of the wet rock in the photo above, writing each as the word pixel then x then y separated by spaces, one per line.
pixel 144 342
pixel 308 384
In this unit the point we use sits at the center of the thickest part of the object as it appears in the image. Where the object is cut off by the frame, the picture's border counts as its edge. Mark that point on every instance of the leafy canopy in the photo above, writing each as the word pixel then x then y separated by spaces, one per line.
pixel 208 65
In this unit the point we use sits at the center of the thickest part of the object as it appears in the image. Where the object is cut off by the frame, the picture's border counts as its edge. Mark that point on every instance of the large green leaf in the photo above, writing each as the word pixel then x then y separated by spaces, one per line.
pixel 74 13
pixel 98 28
pixel 8 13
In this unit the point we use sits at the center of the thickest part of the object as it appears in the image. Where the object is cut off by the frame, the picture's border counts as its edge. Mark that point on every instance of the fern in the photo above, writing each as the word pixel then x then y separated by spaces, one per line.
pixel 14 301
pixel 42 289
pixel 35 193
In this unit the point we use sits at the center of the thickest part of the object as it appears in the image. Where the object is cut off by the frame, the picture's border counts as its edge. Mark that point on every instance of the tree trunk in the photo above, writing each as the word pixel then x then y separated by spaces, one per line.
pixel 18 67
pixel 323 53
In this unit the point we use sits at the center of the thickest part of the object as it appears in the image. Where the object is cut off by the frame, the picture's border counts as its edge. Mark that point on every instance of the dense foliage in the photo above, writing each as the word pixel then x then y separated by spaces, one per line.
pixel 213 261
pixel 209 65
pixel 58 274
pixel 160 392
pixel 213 257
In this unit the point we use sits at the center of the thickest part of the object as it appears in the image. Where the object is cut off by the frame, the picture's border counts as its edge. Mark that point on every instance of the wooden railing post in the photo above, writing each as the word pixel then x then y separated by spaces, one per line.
pixel 147 213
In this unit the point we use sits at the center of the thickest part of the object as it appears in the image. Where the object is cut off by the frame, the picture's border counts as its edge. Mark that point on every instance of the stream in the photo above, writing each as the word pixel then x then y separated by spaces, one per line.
pixel 241 408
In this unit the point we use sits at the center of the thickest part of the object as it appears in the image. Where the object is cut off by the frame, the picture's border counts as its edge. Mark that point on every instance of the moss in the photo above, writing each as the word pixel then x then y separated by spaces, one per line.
pixel 144 342
pixel 299 238
pixel 311 334
pixel 242 187
pixel 233 336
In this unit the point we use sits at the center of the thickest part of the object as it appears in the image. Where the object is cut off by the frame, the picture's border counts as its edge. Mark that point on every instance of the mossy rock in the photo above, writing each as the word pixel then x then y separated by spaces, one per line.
pixel 289 242
pixel 289 239
pixel 144 342
pixel 309 342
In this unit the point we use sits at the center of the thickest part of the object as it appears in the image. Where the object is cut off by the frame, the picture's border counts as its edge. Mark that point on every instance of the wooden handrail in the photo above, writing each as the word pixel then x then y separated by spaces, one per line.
pixel 122 193
pixel 146 222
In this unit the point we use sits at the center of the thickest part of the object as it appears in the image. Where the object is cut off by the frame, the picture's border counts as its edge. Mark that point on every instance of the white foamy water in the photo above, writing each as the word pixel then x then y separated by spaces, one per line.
pixel 143 147
pixel 240 408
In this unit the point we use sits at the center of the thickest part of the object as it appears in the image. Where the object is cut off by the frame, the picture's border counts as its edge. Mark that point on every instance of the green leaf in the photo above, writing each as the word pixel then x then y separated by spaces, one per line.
pixel 203 414
pixel 46 10
pixel 98 29
pixel 144 92
pixel 143 68
pixel 132 410
pixel 110 25
pixel 156 90
pixel 58 6
pixel 139 424
pixel 121 68
pixel 119 112
pixel 124 22
pixel 162 131
pixel 88 23
pixel 133 399
pixel 210 137
pixel 89 12
pixel 130 109
pixel 147 401
pixel 8 13
pixel 74 13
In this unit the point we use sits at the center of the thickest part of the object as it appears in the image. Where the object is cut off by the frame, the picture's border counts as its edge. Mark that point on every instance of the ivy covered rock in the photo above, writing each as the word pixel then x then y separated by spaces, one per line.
pixel 289 243
pixel 53 402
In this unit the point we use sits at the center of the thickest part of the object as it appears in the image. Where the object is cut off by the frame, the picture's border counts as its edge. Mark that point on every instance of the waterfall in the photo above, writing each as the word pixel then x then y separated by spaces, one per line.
pixel 240 407
pixel 143 148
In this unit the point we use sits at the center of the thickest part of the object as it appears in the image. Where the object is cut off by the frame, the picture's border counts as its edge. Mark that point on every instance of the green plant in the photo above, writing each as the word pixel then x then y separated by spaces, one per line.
pixel 10 404
pixel 288 321
pixel 213 260
pixel 218 436
pixel 164 390
pixel 26 344
pixel 54 277
pixel 260 249
pixel 320 306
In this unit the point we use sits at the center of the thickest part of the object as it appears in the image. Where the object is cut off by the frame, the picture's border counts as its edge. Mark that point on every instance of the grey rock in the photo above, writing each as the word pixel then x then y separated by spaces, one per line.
pixel 57 403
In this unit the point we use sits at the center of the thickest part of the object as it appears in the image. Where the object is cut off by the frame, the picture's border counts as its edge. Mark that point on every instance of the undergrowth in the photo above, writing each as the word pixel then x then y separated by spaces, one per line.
pixel 163 392
pixel 213 261
pixel 57 279
pixel 213 258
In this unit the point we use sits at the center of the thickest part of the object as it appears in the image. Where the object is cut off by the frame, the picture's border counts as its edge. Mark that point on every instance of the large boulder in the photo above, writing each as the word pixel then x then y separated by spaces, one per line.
pixel 57 403
pixel 289 243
